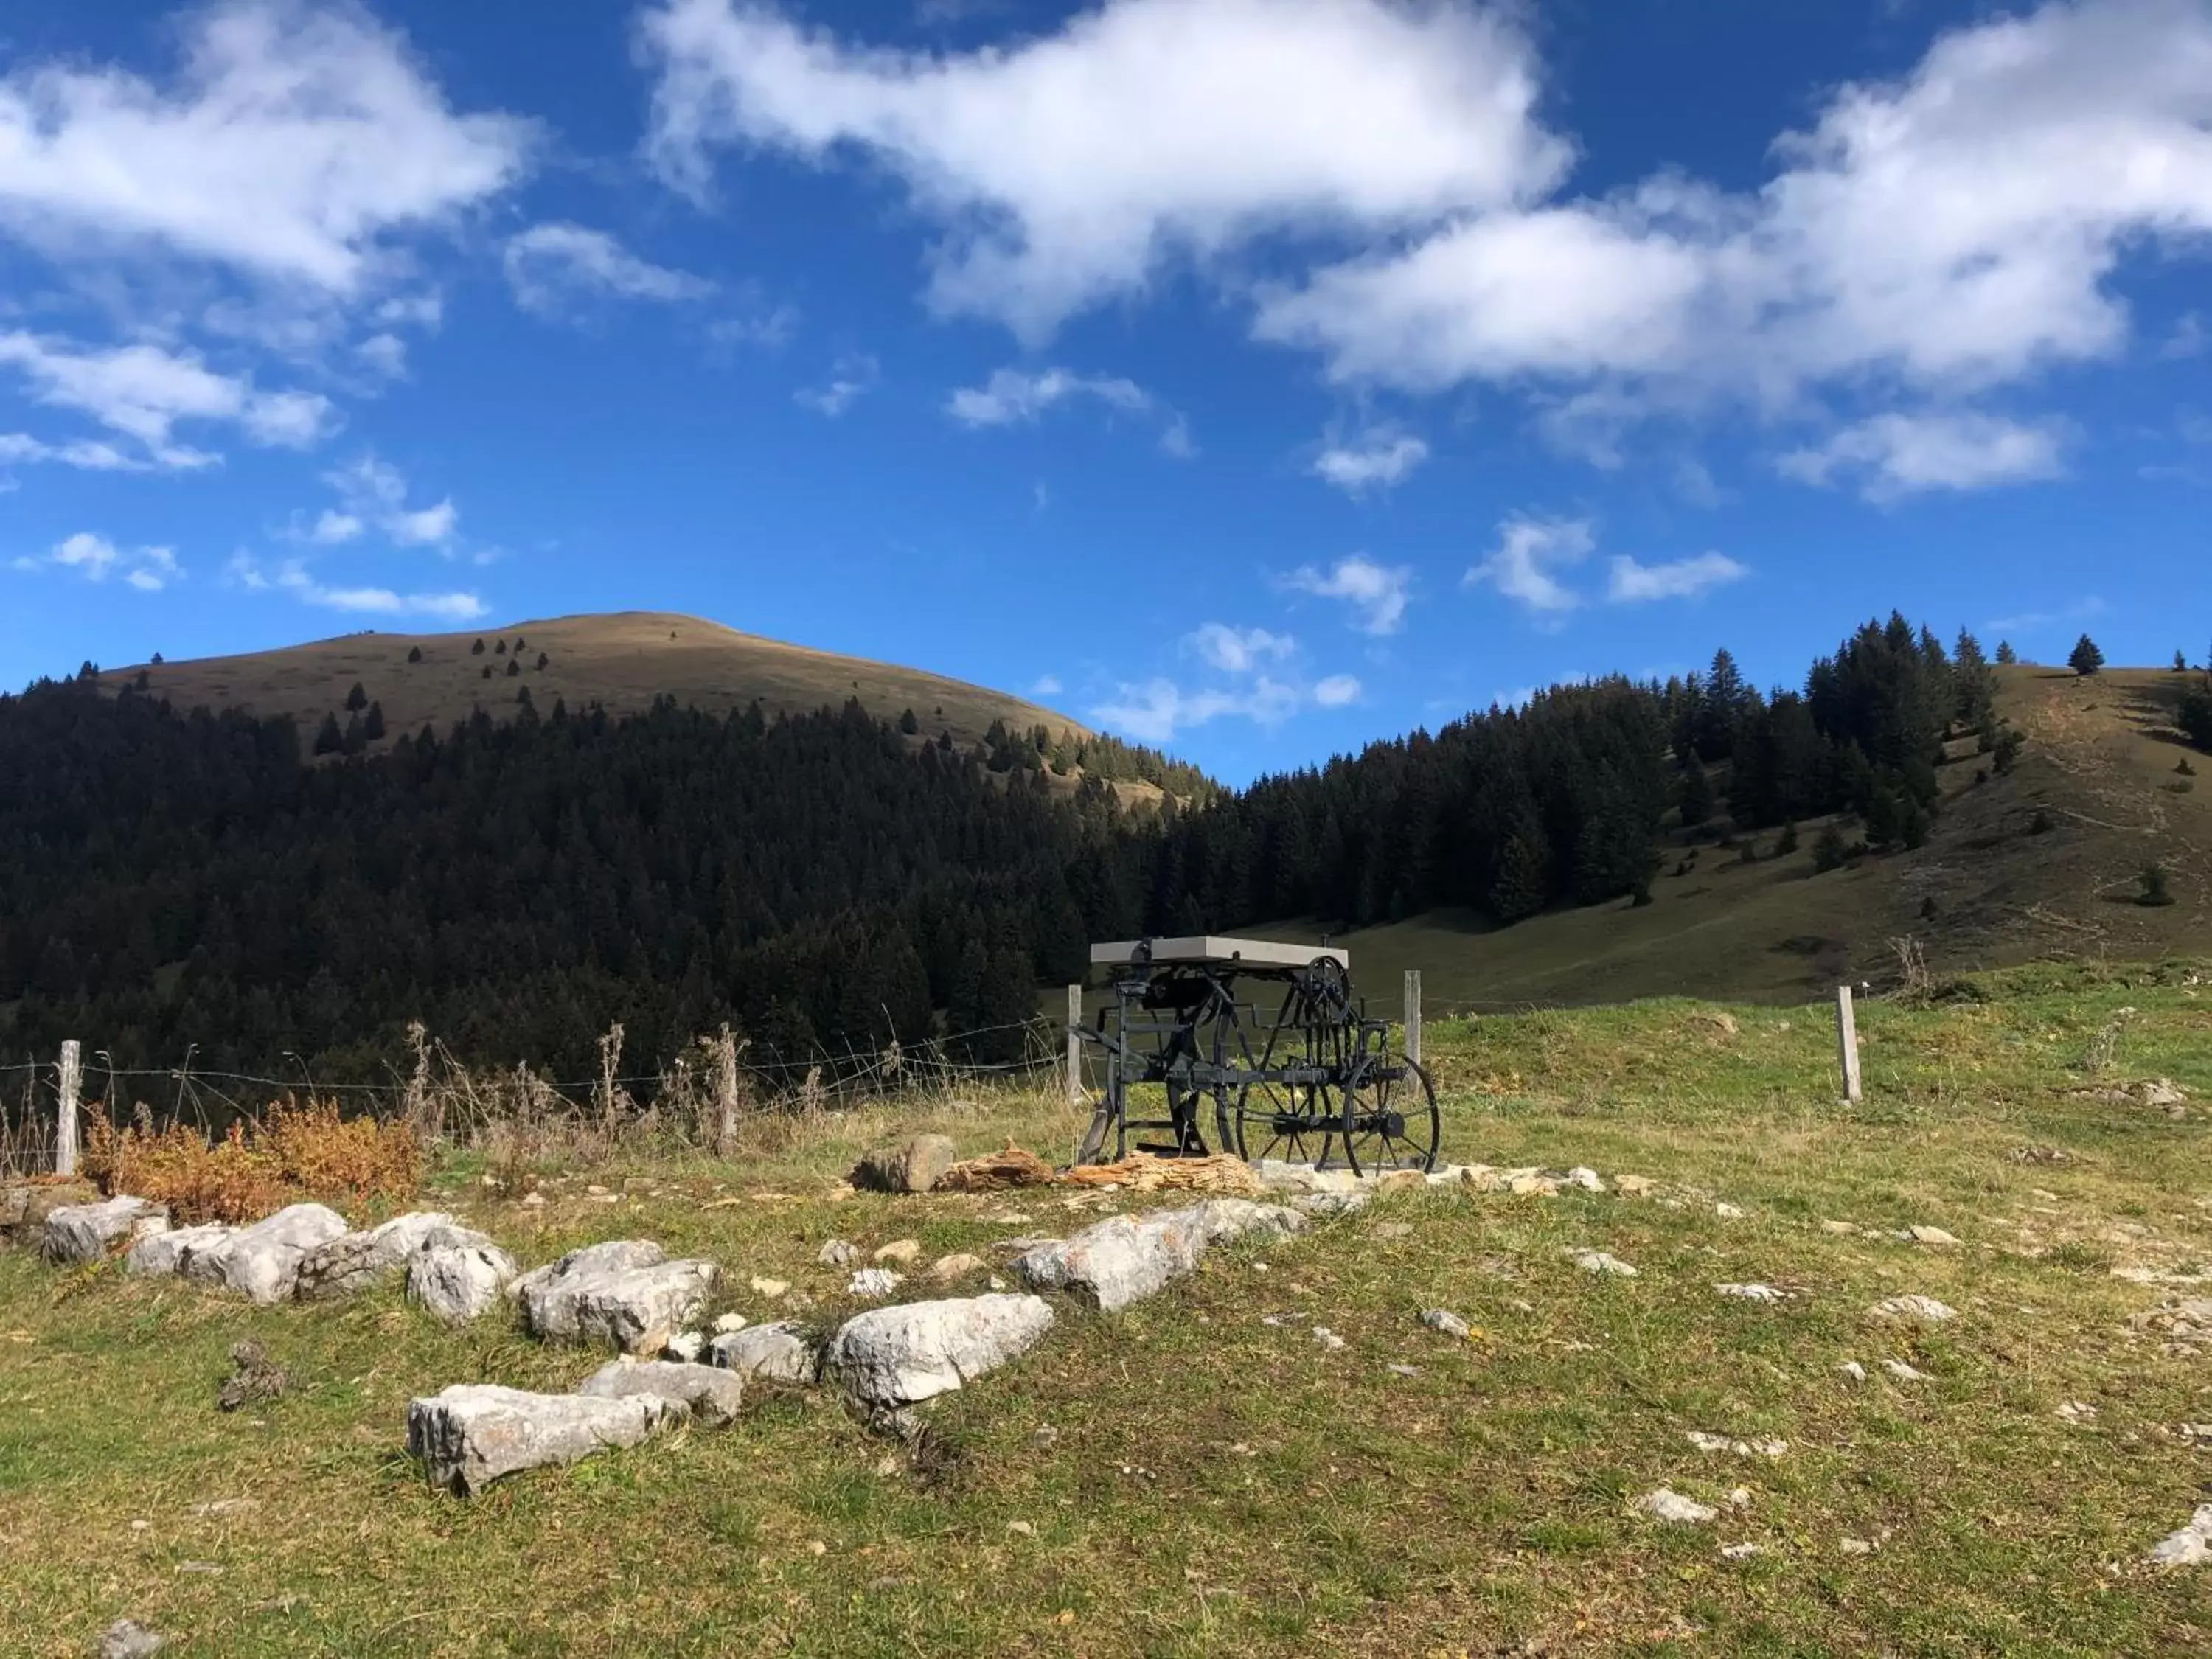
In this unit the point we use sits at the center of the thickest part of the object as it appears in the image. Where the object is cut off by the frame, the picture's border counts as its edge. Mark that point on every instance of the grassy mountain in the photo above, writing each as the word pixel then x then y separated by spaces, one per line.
pixel 621 661
pixel 2098 763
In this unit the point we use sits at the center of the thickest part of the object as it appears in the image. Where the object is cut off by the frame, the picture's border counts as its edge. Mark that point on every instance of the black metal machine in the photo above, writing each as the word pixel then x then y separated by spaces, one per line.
pixel 1270 1034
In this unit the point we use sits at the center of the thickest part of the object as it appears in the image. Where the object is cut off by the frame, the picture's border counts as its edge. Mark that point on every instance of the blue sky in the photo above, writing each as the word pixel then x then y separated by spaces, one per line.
pixel 1253 377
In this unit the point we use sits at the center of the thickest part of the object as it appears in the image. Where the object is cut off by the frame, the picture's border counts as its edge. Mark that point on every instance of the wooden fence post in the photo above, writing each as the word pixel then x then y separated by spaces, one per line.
pixel 1847 1042
pixel 1413 1015
pixel 65 1119
pixel 726 1093
pixel 1074 1045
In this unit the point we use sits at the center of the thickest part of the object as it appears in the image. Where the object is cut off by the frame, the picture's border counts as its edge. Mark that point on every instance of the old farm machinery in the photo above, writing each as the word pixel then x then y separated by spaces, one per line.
pixel 1270 1036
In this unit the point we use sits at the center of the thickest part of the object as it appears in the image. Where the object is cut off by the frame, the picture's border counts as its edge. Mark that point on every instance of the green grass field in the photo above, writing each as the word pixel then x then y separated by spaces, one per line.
pixel 1190 1480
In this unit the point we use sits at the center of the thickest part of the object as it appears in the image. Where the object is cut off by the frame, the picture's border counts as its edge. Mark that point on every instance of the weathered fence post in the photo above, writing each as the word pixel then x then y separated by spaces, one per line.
pixel 65 1119
pixel 726 1093
pixel 1074 1045
pixel 1413 1015
pixel 1847 1042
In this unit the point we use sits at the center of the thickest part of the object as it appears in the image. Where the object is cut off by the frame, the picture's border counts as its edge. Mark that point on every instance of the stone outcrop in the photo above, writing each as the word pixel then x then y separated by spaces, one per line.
pixel 898 1357
pixel 262 1261
pixel 351 1263
pixel 86 1232
pixel 914 1165
pixel 457 1282
pixel 625 1294
pixel 1125 1259
pixel 158 1255
pixel 710 1393
pixel 780 1352
pixel 471 1434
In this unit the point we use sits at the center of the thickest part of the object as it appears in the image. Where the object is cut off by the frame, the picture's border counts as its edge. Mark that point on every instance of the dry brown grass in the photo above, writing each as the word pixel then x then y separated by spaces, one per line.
pixel 296 1151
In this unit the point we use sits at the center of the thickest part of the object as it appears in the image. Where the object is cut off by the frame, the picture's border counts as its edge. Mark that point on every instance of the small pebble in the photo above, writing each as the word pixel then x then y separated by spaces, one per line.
pixel 1021 1528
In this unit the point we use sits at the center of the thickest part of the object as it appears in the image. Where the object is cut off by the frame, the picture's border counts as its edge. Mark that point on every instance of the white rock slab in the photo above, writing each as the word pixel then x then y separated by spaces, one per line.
pixel 2190 1547
pixel 710 1393
pixel 458 1282
pixel 895 1356
pixel 86 1232
pixel 780 1352
pixel 157 1256
pixel 471 1434
pixel 262 1261
pixel 625 1294
pixel 351 1263
pixel 1917 1309
pixel 1666 1504
pixel 1125 1259
pixel 1598 1262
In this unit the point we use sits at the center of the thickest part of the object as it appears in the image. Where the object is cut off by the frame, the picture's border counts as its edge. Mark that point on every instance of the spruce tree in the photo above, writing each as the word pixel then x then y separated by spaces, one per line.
pixel 477 650
pixel 357 699
pixel 2085 659
pixel 413 654
pixel 371 724
pixel 328 738
pixel 2006 655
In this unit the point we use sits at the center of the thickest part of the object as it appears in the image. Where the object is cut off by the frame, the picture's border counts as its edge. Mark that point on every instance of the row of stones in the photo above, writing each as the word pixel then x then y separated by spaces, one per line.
pixel 626 1294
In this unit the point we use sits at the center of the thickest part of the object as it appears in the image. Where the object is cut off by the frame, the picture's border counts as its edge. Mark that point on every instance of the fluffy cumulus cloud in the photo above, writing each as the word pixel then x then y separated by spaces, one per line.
pixel 95 558
pixel 1017 396
pixel 142 392
pixel 296 578
pixel 1238 650
pixel 1373 458
pixel 1074 166
pixel 850 378
pixel 1894 455
pixel 558 267
pixel 1956 229
pixel 373 492
pixel 293 142
pixel 1255 677
pixel 1632 582
pixel 1374 594
pixel 1527 563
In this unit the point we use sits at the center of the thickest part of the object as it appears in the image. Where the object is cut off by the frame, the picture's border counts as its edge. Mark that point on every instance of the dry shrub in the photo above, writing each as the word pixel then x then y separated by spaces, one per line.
pixel 298 1151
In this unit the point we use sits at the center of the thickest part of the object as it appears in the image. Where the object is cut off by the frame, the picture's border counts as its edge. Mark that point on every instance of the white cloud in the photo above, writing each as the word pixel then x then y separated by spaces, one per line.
pixel 373 492
pixel 1336 690
pixel 1238 650
pixel 148 569
pixel 295 578
pixel 385 354
pixel 86 455
pixel 849 377
pixel 294 142
pixel 1529 552
pixel 2189 338
pixel 1378 593
pixel 1633 583
pixel 1895 455
pixel 555 268
pixel 143 391
pixel 333 528
pixel 1077 165
pixel 1047 685
pixel 1375 458
pixel 1176 440
pixel 1013 397
pixel 1155 710
pixel 1955 228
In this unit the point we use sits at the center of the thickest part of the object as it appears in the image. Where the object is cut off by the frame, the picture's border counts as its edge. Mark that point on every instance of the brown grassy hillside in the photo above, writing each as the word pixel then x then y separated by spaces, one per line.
pixel 622 660
pixel 2099 761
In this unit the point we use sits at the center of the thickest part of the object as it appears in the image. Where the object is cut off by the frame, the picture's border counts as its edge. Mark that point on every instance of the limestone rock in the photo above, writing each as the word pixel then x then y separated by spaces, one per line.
pixel 945 1269
pixel 1125 1259
pixel 262 1261
pixel 351 1263
pixel 1278 1177
pixel 471 1434
pixel 914 1165
pixel 25 1205
pixel 1666 1504
pixel 1634 1186
pixel 873 1282
pixel 1330 1203
pixel 1588 1179
pixel 711 1394
pixel 158 1255
pixel 625 1294
pixel 1924 1310
pixel 780 1352
pixel 1933 1237
pixel 86 1232
pixel 1754 1292
pixel 900 1251
pixel 896 1356
pixel 1904 1373
pixel 1598 1262
pixel 2190 1547
pixel 1447 1322
pixel 837 1253
pixel 458 1282
pixel 126 1638
pixel 685 1347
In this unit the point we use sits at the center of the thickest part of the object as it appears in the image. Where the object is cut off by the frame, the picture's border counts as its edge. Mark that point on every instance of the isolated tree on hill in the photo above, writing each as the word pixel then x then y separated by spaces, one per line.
pixel 371 724
pixel 499 650
pixel 1971 677
pixel 2181 662
pixel 513 667
pixel 476 650
pixel 357 699
pixel 2157 889
pixel 2085 660
pixel 328 738
pixel 522 695
pixel 2006 655
pixel 487 671
pixel 413 654
pixel 541 660
pixel 2194 716
pixel 157 659
pixel 908 724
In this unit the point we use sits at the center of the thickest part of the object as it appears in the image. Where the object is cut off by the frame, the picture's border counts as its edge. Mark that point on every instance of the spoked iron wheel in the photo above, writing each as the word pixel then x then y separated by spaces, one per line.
pixel 1391 1119
pixel 1295 1123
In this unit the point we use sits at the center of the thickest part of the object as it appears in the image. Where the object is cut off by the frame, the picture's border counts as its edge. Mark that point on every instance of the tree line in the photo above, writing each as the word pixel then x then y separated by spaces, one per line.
pixel 829 884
